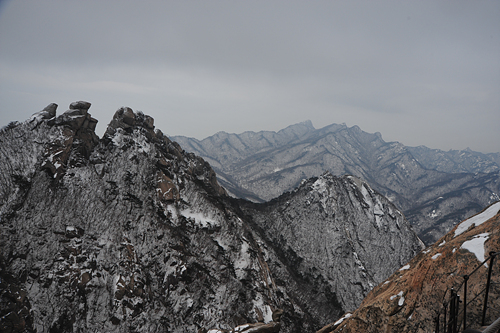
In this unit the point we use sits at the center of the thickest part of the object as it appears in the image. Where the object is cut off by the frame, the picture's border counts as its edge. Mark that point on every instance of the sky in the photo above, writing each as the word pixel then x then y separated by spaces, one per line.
pixel 419 72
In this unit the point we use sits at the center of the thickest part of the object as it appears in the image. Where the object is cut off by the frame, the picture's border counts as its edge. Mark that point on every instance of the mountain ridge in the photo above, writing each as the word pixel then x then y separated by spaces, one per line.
pixel 129 232
pixel 259 174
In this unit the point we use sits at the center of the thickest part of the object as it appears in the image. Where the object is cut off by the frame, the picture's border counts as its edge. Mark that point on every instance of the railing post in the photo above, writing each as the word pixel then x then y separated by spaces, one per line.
pixel 492 257
pixel 457 307
pixel 445 309
pixel 466 278
pixel 452 312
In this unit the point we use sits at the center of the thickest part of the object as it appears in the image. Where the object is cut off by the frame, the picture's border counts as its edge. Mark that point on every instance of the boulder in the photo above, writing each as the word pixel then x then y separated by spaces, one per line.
pixel 80 105
pixel 50 110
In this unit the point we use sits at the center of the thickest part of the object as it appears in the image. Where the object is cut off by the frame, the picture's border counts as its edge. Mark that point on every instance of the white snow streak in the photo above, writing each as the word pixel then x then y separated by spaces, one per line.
pixel 243 262
pixel 405 267
pixel 478 219
pixel 437 255
pixel 338 322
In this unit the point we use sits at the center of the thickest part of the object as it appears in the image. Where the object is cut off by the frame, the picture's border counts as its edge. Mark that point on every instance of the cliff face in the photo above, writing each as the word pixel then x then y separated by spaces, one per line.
pixel 340 231
pixel 131 233
pixel 127 233
pixel 411 299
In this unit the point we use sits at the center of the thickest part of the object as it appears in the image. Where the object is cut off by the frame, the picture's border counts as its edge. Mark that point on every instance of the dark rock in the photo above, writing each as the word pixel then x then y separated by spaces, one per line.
pixel 80 105
pixel 51 110
pixel 127 116
pixel 149 122
pixel 321 217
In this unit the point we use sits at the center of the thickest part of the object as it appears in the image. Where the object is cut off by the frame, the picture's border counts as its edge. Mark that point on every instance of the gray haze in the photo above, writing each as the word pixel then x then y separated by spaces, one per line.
pixel 419 72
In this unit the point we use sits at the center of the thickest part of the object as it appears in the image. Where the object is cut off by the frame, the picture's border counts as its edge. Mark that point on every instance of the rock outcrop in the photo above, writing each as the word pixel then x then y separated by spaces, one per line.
pixel 127 233
pixel 413 297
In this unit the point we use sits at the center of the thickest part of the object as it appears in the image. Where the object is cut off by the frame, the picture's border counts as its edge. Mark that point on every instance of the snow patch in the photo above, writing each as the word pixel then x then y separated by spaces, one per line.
pixel 401 300
pixel 243 262
pixel 321 186
pixel 478 219
pixel 476 245
pixel 400 294
pixel 239 328
pixel 199 219
pixel 267 313
pixel 221 241
pixel 437 255
pixel 405 267
pixel 118 138
pixel 442 243
pixel 374 204
pixel 366 195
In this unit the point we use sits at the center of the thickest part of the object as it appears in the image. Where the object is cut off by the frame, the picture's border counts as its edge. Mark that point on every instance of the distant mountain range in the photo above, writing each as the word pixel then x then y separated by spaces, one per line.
pixel 434 188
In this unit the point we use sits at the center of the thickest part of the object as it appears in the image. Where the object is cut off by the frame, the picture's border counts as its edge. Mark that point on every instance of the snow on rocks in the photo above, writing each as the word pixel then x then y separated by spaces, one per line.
pixel 338 322
pixel 243 262
pixel 476 245
pixel 199 219
pixel 401 298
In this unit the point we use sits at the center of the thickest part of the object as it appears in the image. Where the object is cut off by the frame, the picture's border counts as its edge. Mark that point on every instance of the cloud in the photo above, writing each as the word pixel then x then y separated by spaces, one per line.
pixel 201 67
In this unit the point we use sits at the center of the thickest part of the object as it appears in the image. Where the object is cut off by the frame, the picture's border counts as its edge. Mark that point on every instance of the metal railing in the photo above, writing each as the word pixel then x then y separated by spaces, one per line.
pixel 451 308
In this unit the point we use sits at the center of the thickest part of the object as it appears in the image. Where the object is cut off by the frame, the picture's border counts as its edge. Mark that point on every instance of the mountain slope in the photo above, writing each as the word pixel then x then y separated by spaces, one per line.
pixel 340 231
pixel 128 236
pixel 433 201
pixel 412 298
pixel 131 233
pixel 454 161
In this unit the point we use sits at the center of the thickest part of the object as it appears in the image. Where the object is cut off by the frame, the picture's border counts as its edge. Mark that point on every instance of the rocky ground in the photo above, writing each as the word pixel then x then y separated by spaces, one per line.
pixel 412 298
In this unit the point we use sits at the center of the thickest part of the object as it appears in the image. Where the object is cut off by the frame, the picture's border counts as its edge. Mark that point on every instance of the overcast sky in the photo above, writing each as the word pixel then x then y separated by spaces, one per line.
pixel 420 72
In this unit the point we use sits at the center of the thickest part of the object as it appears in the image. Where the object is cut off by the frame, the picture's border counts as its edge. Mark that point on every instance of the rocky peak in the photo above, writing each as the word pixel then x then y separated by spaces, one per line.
pixel 135 238
pixel 296 131
pixel 126 119
pixel 129 128
pixel 337 229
